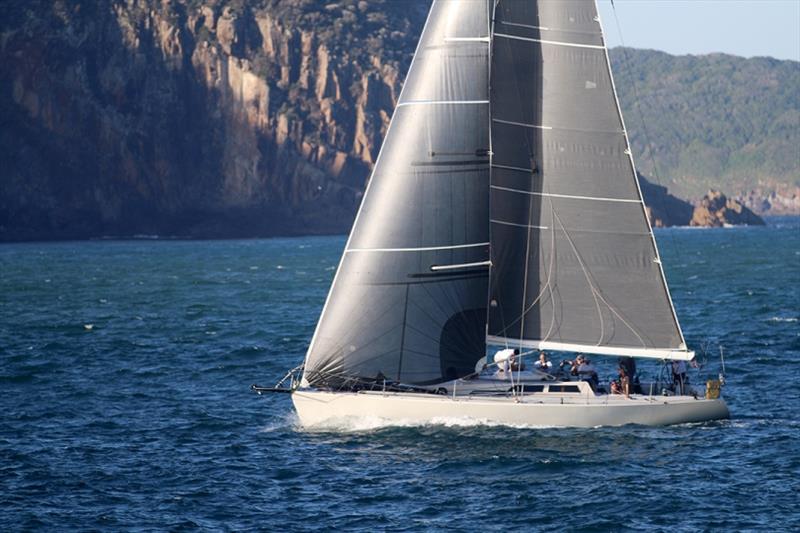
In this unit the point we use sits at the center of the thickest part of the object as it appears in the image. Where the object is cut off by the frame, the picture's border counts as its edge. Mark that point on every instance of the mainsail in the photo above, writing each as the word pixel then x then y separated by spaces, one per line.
pixel 574 263
pixel 408 302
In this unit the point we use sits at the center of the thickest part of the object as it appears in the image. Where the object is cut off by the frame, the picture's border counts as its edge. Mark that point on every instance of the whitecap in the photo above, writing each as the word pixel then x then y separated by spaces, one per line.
pixel 360 424
pixel 782 319
pixel 284 421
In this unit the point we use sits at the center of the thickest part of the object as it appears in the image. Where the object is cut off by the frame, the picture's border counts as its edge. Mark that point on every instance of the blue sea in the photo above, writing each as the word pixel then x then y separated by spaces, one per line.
pixel 125 369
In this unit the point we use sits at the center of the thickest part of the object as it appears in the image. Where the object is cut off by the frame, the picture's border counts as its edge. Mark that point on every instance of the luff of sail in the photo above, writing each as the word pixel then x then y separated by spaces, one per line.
pixel 574 262
pixel 408 302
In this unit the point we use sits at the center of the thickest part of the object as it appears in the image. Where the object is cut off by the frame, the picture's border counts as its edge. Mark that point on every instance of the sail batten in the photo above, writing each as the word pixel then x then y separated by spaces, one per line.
pixel 545 41
pixel 422 249
pixel 573 197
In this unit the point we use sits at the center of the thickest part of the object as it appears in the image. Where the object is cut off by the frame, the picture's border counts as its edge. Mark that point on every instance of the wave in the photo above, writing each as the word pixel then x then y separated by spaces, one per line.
pixel 287 420
pixel 782 319
pixel 360 424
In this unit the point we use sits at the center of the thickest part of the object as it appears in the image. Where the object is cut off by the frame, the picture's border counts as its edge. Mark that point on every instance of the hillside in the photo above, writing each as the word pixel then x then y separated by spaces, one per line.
pixel 229 118
pixel 714 121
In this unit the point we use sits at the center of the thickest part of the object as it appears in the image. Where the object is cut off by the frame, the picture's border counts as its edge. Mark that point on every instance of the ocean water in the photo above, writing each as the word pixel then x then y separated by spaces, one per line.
pixel 125 369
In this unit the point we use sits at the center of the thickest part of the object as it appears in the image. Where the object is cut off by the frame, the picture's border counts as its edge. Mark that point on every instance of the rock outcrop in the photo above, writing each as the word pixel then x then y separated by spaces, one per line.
pixel 717 210
pixel 713 210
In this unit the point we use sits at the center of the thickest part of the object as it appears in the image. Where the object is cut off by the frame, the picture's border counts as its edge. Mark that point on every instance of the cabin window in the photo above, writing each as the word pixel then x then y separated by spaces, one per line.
pixel 564 388
pixel 527 388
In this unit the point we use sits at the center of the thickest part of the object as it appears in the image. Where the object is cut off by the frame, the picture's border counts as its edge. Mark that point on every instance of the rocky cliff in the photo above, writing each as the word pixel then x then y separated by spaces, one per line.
pixel 713 210
pixel 664 209
pixel 204 118
pixel 216 118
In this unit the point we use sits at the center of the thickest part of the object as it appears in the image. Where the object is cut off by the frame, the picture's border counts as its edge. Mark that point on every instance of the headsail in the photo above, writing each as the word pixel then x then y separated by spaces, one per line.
pixel 408 302
pixel 574 262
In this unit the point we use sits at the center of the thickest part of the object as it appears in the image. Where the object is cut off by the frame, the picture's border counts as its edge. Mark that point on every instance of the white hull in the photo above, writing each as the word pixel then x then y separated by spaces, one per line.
pixel 315 408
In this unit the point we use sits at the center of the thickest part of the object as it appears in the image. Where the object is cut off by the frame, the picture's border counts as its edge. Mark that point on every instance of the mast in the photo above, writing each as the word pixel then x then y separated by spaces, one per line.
pixel 574 262
pixel 408 302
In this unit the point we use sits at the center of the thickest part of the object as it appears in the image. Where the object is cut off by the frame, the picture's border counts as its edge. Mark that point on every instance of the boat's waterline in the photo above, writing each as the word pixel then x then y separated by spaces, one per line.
pixel 315 408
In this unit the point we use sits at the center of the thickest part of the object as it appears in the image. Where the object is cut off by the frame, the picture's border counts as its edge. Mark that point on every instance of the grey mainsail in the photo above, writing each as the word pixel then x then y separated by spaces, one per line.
pixel 574 262
pixel 408 302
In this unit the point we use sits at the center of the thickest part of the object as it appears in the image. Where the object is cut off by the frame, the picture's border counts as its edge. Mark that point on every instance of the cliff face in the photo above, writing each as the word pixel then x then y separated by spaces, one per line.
pixel 662 208
pixel 205 118
pixel 216 118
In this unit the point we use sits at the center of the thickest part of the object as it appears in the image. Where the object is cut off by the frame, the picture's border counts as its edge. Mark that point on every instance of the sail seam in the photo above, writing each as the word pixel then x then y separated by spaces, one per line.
pixel 559 128
pixel 466 39
pixel 523 124
pixel 420 249
pixel 546 28
pixel 442 102
pixel 518 25
pixel 570 196
pixel 518 225
pixel 507 167
pixel 545 41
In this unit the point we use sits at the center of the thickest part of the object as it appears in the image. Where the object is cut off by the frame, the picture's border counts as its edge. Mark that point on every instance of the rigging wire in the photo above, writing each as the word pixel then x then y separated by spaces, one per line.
pixel 656 173
pixel 638 106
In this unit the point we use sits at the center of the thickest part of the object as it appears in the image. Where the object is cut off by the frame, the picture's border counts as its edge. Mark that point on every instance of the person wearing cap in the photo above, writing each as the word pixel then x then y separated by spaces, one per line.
pixel 575 364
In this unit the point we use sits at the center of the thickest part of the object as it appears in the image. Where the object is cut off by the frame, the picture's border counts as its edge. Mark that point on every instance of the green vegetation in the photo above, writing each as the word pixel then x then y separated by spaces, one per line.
pixel 713 121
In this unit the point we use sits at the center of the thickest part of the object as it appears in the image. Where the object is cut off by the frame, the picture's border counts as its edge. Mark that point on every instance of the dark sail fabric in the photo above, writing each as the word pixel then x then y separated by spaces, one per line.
pixel 408 302
pixel 574 261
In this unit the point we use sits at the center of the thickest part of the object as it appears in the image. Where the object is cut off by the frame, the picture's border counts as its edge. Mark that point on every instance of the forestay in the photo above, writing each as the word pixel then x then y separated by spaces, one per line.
pixel 574 261
pixel 408 302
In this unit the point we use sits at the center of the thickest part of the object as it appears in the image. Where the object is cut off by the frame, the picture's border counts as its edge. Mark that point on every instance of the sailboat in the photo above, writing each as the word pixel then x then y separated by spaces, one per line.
pixel 503 212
